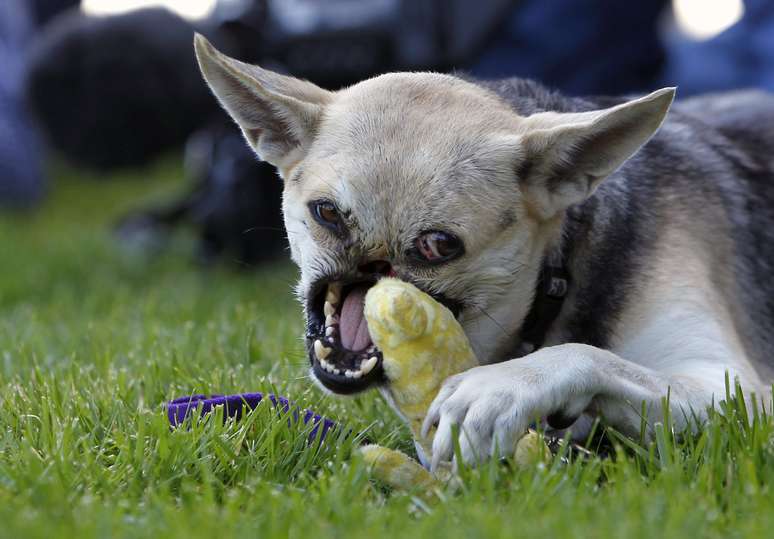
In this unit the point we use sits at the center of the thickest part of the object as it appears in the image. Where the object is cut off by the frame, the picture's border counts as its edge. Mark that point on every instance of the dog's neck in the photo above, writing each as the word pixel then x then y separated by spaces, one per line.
pixel 552 287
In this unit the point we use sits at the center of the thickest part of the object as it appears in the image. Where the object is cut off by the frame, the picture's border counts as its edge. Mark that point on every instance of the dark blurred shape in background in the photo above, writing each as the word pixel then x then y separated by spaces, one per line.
pixel 234 202
pixel 21 173
pixel 581 47
pixel 117 91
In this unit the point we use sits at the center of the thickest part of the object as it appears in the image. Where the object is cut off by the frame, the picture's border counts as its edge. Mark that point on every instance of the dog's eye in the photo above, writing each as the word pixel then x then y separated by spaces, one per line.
pixel 438 247
pixel 326 214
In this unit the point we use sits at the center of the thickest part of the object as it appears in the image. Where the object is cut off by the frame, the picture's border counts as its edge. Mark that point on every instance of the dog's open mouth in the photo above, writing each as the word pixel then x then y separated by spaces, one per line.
pixel 342 354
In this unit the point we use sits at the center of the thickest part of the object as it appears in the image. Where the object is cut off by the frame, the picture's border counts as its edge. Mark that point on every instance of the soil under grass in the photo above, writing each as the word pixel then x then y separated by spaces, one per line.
pixel 94 339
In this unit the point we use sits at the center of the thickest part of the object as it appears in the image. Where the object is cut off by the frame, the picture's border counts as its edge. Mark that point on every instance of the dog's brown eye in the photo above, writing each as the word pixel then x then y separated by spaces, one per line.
pixel 326 214
pixel 438 246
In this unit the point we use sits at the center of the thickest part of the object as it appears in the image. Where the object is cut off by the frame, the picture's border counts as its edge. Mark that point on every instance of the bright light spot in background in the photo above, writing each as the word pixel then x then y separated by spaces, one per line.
pixel 190 9
pixel 699 19
pixel 703 19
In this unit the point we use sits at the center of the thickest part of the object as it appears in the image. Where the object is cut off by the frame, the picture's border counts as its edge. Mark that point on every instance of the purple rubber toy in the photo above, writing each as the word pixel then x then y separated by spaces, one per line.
pixel 182 408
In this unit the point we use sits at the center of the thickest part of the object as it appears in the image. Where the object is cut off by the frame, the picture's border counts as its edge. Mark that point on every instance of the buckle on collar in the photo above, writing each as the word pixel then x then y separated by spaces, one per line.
pixel 553 285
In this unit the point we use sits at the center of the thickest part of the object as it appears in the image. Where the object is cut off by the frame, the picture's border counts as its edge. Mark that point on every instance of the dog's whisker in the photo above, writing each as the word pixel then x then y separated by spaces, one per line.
pixel 266 228
pixel 492 319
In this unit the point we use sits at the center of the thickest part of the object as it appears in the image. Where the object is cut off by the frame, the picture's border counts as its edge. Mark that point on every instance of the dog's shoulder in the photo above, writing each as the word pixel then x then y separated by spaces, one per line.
pixel 698 190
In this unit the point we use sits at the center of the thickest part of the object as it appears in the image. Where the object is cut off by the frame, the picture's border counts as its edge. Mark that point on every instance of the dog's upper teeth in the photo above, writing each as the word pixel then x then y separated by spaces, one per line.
pixel 329 309
pixel 334 294
pixel 320 350
pixel 368 364
pixel 331 320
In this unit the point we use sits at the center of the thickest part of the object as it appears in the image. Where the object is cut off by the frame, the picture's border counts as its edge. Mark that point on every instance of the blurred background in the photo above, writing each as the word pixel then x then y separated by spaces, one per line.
pixel 103 89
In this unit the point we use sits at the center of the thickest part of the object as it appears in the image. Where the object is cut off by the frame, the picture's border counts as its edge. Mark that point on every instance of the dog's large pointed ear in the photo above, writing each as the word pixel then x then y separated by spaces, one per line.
pixel 277 114
pixel 565 156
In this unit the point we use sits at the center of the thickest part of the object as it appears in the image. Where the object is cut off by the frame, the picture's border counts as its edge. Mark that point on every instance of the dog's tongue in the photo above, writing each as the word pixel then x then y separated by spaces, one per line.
pixel 352 323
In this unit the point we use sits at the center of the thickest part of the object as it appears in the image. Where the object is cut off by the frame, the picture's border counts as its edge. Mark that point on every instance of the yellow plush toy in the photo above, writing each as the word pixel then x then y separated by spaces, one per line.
pixel 422 344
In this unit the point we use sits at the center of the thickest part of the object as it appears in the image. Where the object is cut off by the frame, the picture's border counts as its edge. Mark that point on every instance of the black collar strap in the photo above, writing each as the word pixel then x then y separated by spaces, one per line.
pixel 553 283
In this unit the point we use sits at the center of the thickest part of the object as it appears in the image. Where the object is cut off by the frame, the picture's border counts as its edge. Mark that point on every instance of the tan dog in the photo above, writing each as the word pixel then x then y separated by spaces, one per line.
pixel 542 222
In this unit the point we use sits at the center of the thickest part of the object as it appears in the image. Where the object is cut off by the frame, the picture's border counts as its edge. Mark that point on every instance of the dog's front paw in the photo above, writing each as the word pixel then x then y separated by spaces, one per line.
pixel 493 405
pixel 487 405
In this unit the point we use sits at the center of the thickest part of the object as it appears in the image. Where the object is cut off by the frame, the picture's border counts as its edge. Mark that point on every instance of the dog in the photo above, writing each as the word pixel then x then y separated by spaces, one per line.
pixel 601 254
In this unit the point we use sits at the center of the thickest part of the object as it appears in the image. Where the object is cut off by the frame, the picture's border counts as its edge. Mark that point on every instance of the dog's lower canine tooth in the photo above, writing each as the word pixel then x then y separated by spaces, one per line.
pixel 357 374
pixel 368 364
pixel 331 320
pixel 328 309
pixel 320 350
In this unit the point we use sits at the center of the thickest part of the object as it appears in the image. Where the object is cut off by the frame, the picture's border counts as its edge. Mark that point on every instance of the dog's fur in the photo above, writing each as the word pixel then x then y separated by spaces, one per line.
pixel 668 238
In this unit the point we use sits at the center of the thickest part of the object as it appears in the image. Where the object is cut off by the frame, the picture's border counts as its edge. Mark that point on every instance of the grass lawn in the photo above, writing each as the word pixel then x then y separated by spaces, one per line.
pixel 93 340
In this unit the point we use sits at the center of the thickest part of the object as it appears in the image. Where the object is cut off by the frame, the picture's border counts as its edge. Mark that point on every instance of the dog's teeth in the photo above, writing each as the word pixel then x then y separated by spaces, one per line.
pixel 329 309
pixel 336 371
pixel 334 294
pixel 348 373
pixel 320 350
pixel 357 374
pixel 330 330
pixel 368 364
pixel 331 320
pixel 325 365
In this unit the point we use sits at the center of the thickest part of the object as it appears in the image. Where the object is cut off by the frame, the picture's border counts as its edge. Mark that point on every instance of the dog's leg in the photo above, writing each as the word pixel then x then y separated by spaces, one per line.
pixel 494 404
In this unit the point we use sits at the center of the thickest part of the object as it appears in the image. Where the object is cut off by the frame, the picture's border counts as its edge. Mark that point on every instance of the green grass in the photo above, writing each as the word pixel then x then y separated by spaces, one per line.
pixel 93 340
